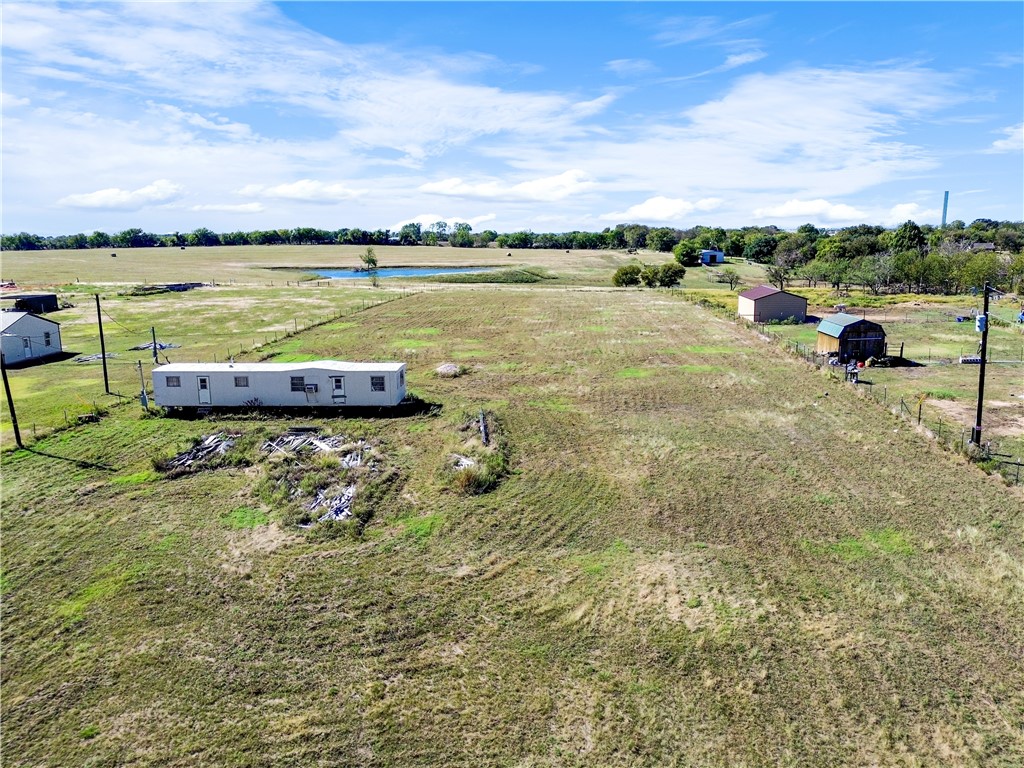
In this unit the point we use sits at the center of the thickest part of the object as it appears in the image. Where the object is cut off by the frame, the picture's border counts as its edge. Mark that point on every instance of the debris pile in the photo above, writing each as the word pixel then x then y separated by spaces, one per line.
pixel 93 358
pixel 159 345
pixel 463 462
pixel 296 442
pixel 208 447
pixel 333 507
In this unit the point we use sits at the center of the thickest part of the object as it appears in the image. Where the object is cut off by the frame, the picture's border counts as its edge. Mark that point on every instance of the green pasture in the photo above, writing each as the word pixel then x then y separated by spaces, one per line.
pixel 208 324
pixel 697 551
pixel 934 341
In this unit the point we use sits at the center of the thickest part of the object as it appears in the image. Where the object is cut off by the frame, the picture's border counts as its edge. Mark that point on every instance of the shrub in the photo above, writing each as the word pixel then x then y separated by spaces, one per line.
pixel 627 276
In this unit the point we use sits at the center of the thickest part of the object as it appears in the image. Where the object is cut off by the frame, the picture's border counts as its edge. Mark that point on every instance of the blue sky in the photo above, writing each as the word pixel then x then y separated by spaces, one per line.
pixel 543 116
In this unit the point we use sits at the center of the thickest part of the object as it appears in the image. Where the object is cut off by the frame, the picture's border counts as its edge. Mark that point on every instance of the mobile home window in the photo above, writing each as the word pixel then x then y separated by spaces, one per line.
pixel 376 383
pixel 339 384
pixel 241 381
pixel 173 381
pixel 46 338
pixel 401 378
pixel 298 383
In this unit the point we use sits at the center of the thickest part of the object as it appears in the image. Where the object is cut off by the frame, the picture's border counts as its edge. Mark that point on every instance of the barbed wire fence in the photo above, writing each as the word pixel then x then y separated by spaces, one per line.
pixel 947 432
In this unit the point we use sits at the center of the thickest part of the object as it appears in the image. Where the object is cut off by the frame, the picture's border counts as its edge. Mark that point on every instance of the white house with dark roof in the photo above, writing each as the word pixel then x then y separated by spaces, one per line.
pixel 28 337
pixel 766 302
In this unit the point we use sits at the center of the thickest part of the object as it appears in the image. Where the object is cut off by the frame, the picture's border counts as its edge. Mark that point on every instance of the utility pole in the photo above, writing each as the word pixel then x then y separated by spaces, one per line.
pixel 981 324
pixel 155 360
pixel 142 380
pixel 10 401
pixel 103 347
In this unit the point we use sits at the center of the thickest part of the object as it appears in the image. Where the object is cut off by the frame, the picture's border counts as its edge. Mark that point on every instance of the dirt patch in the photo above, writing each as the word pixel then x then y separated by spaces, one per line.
pixel 242 546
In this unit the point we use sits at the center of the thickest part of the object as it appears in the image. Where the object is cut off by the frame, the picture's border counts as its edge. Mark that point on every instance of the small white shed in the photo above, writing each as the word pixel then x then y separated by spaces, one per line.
pixel 316 384
pixel 28 337
pixel 766 302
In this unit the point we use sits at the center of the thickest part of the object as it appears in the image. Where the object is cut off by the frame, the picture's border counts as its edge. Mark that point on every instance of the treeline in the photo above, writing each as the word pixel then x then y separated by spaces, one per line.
pixel 922 259
pixel 460 236
pixel 910 258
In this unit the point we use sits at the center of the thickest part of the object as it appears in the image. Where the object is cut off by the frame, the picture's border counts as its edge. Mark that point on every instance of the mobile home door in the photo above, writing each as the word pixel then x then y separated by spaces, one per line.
pixel 204 389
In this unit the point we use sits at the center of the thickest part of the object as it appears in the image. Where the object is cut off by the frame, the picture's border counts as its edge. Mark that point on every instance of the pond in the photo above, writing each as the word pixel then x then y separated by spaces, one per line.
pixel 396 272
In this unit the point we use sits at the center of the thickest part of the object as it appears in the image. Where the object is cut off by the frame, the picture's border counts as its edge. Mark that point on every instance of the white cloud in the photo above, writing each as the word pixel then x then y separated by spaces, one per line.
pixel 1014 141
pixel 630 67
pixel 731 62
pixel 820 210
pixel 546 189
pixel 662 210
pixel 689 29
pixel 8 101
pixel 911 211
pixel 230 208
pixel 159 191
pixel 307 190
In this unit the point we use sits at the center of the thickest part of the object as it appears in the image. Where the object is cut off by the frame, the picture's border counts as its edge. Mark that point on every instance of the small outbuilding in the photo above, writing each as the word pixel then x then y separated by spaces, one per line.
pixel 710 256
pixel 766 302
pixel 316 384
pixel 37 303
pixel 28 337
pixel 850 338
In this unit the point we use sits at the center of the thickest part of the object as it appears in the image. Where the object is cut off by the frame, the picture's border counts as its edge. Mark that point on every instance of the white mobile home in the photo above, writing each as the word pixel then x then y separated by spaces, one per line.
pixel 28 337
pixel 316 384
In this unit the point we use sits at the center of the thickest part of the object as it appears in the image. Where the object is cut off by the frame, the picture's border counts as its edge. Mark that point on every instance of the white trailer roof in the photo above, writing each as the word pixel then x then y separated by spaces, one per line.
pixel 312 365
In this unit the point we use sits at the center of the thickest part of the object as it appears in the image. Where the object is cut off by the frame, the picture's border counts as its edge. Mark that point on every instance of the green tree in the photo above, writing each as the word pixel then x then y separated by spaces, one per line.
pixel 202 237
pixel 410 234
pixel 369 258
pixel 687 253
pixel 662 239
pixel 650 275
pixel 670 274
pixel 626 276
pixel 732 277
pixel 908 237
pixel 99 240
pixel 461 235
pixel 440 228
pixel 761 249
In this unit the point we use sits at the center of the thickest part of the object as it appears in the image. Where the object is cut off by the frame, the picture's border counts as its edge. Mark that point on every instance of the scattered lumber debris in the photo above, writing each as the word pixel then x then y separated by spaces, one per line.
pixel 159 345
pixel 93 358
pixel 296 442
pixel 462 462
pixel 333 507
pixel 208 446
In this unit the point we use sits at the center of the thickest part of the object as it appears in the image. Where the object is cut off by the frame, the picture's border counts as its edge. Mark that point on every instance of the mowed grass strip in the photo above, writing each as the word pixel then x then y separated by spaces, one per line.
pixel 639 590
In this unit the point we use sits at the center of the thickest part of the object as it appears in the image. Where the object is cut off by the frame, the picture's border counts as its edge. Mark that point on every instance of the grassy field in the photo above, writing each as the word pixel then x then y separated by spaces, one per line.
pixel 932 338
pixel 702 553
pixel 251 297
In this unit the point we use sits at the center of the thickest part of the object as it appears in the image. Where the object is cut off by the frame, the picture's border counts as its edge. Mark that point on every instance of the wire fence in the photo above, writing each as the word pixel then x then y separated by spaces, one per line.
pixel 947 432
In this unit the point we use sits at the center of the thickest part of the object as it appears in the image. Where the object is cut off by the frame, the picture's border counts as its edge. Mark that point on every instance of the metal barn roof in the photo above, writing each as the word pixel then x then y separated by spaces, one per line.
pixel 836 324
pixel 760 292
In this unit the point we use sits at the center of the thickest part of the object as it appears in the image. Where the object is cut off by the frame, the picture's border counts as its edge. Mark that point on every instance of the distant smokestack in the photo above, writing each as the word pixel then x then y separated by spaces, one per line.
pixel 945 207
